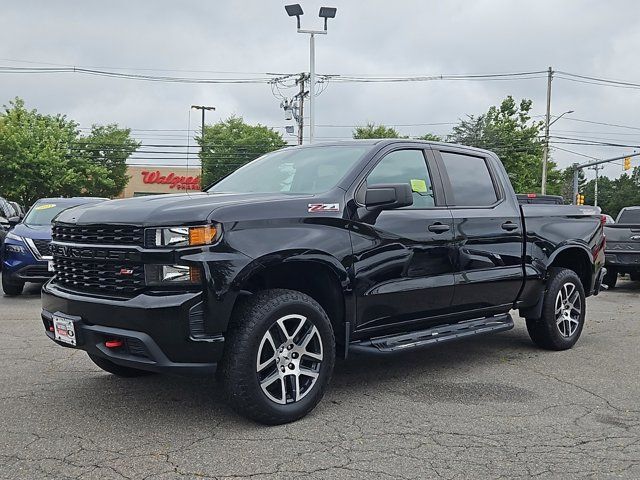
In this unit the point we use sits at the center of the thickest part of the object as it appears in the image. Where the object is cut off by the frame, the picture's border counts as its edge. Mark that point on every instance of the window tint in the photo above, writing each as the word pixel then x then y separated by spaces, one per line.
pixel 406 166
pixel 470 180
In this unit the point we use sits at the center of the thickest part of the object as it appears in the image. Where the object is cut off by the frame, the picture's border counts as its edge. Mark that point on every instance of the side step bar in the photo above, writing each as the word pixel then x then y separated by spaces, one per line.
pixel 432 336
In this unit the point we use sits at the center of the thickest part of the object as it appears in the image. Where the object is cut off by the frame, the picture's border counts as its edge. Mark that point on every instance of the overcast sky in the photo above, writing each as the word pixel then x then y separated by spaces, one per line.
pixel 198 38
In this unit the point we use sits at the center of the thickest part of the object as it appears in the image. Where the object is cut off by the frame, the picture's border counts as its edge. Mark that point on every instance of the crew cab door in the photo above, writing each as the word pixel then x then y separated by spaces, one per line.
pixel 488 232
pixel 403 260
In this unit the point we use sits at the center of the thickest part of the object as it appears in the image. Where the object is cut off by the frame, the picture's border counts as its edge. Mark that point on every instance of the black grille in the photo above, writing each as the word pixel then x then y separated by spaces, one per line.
pixel 43 247
pixel 106 277
pixel 99 234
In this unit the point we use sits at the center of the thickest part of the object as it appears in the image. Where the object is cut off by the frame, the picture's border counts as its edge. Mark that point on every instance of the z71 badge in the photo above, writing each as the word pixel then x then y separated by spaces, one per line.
pixel 324 207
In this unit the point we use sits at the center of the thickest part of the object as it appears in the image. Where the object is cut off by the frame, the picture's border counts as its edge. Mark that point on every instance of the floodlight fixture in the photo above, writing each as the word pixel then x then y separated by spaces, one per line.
pixel 294 10
pixel 327 12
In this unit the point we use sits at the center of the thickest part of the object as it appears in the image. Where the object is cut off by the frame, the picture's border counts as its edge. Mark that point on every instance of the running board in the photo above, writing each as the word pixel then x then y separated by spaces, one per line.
pixel 432 336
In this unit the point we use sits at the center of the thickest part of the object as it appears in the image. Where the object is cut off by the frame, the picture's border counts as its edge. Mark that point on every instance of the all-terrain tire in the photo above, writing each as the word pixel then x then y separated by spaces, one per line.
pixel 549 332
pixel 610 278
pixel 11 289
pixel 118 370
pixel 254 320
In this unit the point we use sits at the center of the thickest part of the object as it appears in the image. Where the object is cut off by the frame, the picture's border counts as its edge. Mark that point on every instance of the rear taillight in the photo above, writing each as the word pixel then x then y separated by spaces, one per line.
pixel 603 220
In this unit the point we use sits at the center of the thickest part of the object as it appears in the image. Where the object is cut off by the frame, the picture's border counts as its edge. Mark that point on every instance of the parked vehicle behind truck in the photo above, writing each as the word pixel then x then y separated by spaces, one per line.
pixel 623 246
pixel 25 255
pixel 307 253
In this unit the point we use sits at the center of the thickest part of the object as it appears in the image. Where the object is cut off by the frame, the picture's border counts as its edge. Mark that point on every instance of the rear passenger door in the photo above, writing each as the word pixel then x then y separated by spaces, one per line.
pixel 488 234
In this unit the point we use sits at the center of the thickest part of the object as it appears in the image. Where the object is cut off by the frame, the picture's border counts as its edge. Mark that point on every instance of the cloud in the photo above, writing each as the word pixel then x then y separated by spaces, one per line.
pixel 373 37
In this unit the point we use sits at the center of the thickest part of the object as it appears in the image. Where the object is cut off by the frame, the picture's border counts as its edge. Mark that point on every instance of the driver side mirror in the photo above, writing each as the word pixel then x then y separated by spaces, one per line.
pixel 13 221
pixel 387 196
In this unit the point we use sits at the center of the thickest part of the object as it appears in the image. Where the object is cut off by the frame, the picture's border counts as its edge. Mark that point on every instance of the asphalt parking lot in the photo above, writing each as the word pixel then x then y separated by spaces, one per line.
pixel 489 408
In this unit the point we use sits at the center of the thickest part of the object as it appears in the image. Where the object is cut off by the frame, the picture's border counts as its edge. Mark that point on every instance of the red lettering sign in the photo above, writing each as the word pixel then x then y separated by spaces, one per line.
pixel 178 182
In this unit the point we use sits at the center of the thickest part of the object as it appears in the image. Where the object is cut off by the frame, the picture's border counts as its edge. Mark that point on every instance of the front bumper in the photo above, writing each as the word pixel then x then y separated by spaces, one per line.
pixel 157 329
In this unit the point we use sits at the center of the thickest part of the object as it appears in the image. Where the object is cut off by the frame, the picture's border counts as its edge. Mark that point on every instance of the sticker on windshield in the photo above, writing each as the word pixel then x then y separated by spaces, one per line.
pixel 45 206
pixel 324 207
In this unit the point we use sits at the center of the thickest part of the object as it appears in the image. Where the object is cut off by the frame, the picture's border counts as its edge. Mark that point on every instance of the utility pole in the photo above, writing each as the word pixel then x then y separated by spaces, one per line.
pixel 301 81
pixel 595 186
pixel 203 108
pixel 547 123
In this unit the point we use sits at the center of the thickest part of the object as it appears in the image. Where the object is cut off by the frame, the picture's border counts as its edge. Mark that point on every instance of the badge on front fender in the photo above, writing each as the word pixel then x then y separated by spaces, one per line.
pixel 323 207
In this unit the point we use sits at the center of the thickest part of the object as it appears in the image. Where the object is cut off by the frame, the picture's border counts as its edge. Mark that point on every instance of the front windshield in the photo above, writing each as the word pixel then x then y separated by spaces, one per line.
pixel 305 170
pixel 43 212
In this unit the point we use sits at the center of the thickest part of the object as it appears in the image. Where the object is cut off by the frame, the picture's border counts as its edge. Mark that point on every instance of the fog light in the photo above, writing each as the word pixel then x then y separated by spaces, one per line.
pixel 172 275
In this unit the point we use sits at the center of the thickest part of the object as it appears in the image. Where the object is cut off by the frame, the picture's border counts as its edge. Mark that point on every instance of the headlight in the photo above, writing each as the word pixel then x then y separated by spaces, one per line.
pixel 171 275
pixel 183 236
pixel 14 248
pixel 13 236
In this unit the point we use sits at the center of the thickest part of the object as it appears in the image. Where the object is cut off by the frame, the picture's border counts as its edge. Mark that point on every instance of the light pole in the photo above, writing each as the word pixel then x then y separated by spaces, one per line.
pixel 203 108
pixel 295 10
pixel 545 151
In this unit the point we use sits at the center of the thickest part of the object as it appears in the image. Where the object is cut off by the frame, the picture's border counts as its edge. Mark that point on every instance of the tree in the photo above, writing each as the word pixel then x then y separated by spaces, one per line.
pixel 566 183
pixel 44 156
pixel 231 143
pixel 614 195
pixel 430 137
pixel 371 130
pixel 108 147
pixel 508 131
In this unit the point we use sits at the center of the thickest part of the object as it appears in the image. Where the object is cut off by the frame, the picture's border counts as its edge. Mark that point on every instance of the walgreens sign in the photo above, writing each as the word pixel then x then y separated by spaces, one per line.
pixel 179 182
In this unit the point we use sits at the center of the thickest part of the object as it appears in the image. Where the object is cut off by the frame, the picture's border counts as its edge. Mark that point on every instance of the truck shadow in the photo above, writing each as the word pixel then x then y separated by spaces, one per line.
pixel 187 402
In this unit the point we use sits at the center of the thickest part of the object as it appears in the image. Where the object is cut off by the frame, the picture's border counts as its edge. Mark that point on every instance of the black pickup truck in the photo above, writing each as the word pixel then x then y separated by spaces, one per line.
pixel 623 246
pixel 307 253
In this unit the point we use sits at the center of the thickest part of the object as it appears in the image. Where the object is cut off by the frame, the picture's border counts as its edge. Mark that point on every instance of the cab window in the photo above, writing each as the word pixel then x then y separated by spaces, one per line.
pixel 406 166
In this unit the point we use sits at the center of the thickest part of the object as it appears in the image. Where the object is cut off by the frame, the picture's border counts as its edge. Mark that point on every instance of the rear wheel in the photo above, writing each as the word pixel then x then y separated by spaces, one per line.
pixel 563 312
pixel 118 370
pixel 11 289
pixel 611 278
pixel 279 356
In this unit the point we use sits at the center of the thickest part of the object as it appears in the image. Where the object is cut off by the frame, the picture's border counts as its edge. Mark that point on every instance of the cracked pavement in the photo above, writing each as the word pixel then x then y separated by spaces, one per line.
pixel 490 407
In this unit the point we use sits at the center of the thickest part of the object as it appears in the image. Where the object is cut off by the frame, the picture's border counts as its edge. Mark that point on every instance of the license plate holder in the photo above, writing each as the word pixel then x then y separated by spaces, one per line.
pixel 64 330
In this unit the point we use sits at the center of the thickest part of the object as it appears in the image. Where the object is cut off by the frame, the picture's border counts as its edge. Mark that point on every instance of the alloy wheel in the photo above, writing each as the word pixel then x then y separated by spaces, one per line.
pixel 568 309
pixel 289 359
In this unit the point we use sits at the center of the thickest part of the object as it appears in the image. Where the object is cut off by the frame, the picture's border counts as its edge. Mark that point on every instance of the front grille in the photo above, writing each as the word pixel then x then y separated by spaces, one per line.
pixel 103 277
pixel 43 247
pixel 99 234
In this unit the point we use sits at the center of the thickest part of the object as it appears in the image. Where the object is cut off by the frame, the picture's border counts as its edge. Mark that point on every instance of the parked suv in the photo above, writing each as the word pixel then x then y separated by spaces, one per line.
pixel 375 247
pixel 25 254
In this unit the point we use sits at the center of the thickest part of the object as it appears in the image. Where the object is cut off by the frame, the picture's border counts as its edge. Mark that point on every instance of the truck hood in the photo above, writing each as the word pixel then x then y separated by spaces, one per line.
pixel 173 209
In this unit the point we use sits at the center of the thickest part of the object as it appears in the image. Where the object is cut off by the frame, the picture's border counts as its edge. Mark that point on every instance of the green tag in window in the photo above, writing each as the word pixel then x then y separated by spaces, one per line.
pixel 419 186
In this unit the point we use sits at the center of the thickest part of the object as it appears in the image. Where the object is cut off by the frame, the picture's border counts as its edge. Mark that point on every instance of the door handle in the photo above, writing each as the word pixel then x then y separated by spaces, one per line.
pixel 439 227
pixel 509 226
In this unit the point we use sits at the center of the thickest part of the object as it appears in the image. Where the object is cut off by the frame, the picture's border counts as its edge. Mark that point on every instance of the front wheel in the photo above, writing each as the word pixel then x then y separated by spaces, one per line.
pixel 563 312
pixel 279 356
pixel 11 289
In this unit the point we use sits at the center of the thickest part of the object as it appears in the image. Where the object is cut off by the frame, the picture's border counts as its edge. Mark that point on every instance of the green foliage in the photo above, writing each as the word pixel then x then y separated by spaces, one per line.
pixel 371 130
pixel 566 184
pixel 231 143
pixel 508 131
pixel 430 137
pixel 45 155
pixel 614 194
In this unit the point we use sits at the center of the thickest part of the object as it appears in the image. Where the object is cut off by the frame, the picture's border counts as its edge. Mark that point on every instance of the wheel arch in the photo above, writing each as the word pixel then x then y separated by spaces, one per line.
pixel 578 259
pixel 316 274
